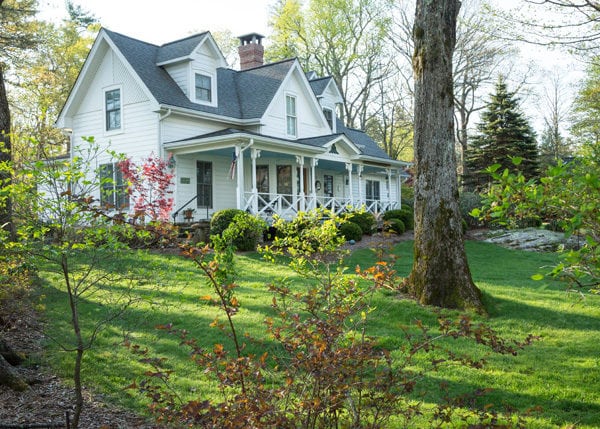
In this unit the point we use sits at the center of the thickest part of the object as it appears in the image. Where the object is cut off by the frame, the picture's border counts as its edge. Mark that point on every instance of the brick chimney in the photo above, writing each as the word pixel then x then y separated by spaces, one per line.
pixel 251 51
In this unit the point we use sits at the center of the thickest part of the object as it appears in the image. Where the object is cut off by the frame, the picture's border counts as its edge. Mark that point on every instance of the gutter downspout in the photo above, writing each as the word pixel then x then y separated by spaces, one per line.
pixel 160 150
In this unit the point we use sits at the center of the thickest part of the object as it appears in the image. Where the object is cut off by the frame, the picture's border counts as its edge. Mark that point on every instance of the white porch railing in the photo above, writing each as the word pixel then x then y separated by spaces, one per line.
pixel 288 206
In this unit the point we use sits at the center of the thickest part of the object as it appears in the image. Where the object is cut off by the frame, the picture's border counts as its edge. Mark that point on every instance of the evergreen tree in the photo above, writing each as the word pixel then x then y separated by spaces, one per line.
pixel 503 132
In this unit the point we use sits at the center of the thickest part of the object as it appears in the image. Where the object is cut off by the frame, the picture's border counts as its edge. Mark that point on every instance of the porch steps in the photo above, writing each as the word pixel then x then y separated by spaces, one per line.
pixel 197 231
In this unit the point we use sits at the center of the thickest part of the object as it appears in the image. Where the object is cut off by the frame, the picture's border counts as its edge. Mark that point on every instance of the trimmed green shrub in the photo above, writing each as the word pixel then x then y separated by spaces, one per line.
pixel 221 220
pixel 395 225
pixel 248 228
pixel 365 220
pixel 351 231
pixel 392 214
pixel 405 215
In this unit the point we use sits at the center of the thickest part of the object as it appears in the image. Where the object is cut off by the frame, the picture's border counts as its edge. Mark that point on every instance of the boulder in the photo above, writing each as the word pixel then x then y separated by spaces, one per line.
pixel 532 239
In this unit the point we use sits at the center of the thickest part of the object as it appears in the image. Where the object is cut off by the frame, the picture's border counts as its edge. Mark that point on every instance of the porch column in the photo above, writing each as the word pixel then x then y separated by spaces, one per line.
pixel 349 170
pixel 359 169
pixel 254 154
pixel 313 176
pixel 300 162
pixel 389 186
pixel 239 159
pixel 399 188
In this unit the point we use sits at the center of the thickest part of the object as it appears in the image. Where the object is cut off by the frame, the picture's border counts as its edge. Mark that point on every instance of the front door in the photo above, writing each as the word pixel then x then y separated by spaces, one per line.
pixel 204 193
pixel 262 185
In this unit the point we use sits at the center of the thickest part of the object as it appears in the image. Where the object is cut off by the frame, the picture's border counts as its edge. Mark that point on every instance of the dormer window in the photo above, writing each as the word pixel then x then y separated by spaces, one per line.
pixel 203 84
pixel 290 114
pixel 329 117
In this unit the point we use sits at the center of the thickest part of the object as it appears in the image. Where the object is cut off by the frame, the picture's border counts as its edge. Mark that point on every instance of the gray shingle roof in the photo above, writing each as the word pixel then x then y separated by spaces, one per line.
pixel 319 85
pixel 365 144
pixel 241 94
pixel 319 141
pixel 179 48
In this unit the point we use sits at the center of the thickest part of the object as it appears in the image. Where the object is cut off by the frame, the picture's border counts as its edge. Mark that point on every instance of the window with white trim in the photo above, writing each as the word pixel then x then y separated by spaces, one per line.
pixel 112 109
pixel 113 189
pixel 290 116
pixel 203 85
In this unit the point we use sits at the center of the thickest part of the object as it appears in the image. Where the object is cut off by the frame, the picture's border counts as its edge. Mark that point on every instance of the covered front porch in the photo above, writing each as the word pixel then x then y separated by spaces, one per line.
pixel 264 177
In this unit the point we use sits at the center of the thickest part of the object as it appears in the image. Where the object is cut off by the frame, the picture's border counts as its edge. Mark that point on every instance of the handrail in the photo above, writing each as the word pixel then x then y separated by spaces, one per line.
pixel 174 215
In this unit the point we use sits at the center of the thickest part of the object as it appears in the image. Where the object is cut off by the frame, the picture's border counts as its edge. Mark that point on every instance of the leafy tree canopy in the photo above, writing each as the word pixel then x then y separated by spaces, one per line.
pixel 586 120
pixel 344 39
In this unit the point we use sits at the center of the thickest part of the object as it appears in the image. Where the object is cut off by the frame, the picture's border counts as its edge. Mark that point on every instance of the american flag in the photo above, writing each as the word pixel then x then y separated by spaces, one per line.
pixel 232 168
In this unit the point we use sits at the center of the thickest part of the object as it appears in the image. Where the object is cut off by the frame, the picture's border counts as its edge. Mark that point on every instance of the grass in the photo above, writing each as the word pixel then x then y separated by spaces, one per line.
pixel 560 373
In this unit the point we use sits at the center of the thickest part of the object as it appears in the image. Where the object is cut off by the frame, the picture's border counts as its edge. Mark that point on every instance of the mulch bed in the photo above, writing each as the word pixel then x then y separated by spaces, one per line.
pixel 48 399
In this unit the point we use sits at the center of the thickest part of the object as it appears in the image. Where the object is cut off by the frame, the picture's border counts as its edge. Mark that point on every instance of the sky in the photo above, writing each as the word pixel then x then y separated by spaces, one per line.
pixel 159 22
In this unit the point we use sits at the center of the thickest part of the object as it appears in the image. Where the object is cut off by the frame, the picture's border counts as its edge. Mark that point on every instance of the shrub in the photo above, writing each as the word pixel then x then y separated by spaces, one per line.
pixel 467 201
pixel 529 222
pixel 248 228
pixel 395 225
pixel 392 214
pixel 351 231
pixel 221 220
pixel 405 215
pixel 365 220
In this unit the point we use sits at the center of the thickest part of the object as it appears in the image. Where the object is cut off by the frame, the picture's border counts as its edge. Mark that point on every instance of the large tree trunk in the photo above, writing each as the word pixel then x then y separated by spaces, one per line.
pixel 440 274
pixel 5 155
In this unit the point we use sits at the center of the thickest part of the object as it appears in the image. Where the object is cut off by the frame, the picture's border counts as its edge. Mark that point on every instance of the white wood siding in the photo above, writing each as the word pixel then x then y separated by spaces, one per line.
pixel 309 118
pixel 178 127
pixel 223 187
pixel 203 57
pixel 180 73
pixel 138 136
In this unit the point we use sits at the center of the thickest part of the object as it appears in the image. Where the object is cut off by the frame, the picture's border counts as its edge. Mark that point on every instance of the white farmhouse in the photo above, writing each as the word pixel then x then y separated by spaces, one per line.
pixel 264 139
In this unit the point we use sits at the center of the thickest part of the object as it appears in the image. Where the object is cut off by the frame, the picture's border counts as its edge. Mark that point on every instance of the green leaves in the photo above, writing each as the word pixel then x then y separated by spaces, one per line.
pixel 567 197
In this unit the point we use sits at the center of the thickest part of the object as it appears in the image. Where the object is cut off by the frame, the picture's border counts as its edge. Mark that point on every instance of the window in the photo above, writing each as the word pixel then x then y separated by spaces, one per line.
pixel 204 184
pixel 112 103
pixel 329 117
pixel 373 190
pixel 113 190
pixel 203 88
pixel 290 114
pixel 328 185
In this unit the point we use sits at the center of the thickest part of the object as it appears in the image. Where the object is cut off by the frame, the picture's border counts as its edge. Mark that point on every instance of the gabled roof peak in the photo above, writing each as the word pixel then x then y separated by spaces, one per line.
pixel 191 36
pixel 115 33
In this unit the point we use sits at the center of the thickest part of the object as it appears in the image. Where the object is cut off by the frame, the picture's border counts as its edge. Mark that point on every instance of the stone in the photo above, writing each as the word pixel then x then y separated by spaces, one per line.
pixel 532 239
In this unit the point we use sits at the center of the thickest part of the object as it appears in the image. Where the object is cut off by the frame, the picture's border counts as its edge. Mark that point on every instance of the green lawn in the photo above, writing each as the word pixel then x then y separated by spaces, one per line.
pixel 560 373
